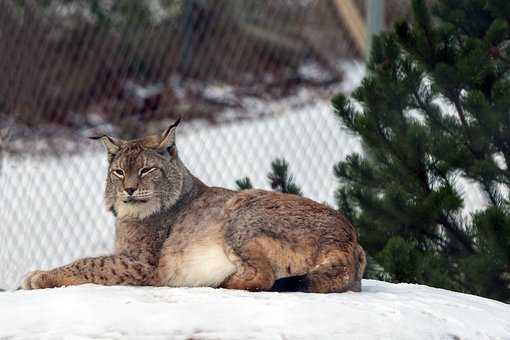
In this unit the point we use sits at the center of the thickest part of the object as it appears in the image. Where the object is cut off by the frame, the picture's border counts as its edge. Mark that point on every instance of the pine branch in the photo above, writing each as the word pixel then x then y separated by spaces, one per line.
pixel 460 111
pixel 244 184
pixel 281 180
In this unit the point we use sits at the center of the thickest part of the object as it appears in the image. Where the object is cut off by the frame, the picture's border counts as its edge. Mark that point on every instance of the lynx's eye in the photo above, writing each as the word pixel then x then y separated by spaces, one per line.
pixel 118 172
pixel 145 171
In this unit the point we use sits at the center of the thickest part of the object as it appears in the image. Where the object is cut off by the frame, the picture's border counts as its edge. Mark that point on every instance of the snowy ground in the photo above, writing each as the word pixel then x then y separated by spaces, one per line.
pixel 381 311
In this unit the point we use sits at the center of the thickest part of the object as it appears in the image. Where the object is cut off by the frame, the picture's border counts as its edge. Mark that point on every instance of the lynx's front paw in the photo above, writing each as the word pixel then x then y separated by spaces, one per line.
pixel 38 279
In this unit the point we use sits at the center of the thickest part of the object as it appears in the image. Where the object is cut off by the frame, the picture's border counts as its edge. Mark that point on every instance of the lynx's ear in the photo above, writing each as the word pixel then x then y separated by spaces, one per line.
pixel 168 138
pixel 112 145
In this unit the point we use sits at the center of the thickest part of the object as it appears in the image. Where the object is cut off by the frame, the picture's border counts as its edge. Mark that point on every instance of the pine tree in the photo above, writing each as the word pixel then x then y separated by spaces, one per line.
pixel 434 108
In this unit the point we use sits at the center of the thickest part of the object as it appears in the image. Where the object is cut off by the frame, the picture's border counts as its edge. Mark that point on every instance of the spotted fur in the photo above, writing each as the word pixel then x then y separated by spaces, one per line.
pixel 173 230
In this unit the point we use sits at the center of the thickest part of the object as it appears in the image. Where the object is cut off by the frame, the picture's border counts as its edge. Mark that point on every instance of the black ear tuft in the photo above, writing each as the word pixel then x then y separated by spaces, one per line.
pixel 168 136
pixel 111 144
pixel 174 125
pixel 100 137
pixel 176 122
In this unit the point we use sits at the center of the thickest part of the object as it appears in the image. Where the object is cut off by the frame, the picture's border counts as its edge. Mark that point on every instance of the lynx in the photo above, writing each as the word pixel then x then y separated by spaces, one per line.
pixel 173 230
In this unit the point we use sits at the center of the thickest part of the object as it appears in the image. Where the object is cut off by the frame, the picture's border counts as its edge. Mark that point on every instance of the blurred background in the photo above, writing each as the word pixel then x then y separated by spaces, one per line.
pixel 252 81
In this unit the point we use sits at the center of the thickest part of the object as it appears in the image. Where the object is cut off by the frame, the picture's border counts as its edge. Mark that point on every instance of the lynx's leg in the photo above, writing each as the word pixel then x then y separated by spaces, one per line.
pixel 254 272
pixel 336 273
pixel 103 270
pixel 360 264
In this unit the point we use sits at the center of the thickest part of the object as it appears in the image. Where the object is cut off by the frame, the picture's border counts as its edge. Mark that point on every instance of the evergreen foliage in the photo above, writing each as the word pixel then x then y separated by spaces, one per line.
pixel 434 108
pixel 279 179
pixel 244 184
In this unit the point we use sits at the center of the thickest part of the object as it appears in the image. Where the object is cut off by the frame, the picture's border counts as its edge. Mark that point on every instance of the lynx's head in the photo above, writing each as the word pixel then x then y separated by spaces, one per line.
pixel 144 176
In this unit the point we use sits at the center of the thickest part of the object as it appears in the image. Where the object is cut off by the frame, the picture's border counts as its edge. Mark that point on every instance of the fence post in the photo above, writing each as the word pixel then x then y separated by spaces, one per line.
pixel 186 48
pixel 375 20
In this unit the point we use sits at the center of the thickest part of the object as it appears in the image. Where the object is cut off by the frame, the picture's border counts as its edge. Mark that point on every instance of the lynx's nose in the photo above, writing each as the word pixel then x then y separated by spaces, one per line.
pixel 130 191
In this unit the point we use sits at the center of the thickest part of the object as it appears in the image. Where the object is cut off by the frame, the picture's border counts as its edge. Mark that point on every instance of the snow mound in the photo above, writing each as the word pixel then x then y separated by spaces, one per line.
pixel 382 311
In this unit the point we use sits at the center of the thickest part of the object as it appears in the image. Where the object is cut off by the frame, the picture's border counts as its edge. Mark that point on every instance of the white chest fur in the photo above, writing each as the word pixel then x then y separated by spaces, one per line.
pixel 203 264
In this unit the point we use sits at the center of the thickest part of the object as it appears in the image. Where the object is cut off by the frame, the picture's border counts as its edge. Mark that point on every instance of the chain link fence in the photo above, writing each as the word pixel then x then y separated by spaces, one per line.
pixel 251 79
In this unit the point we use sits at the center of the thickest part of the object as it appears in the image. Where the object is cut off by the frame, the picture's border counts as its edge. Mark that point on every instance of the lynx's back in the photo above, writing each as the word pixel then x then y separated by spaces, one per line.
pixel 227 230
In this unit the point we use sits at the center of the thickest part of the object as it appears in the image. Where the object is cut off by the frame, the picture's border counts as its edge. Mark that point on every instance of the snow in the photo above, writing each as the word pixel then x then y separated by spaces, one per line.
pixel 382 311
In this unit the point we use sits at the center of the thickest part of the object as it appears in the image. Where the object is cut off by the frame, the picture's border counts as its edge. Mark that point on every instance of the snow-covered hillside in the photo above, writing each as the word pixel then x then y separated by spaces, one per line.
pixel 382 311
